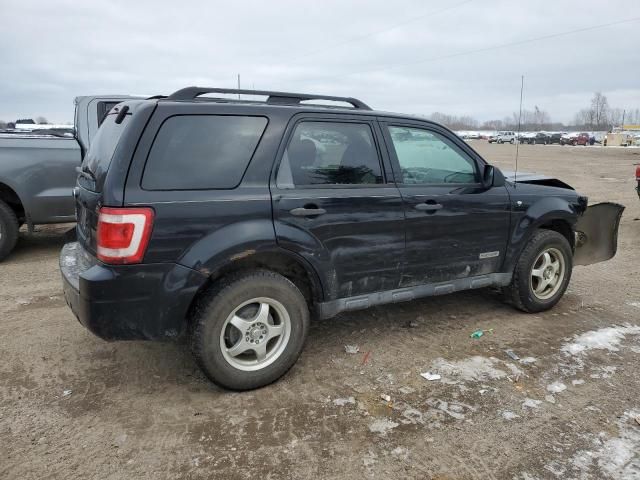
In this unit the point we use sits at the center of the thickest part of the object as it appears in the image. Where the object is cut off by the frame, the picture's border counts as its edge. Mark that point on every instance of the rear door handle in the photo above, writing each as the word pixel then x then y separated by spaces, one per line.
pixel 307 212
pixel 428 206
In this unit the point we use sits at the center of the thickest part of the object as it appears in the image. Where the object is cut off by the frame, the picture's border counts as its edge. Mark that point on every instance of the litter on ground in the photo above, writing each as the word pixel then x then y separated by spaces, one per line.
pixel 430 376
pixel 351 349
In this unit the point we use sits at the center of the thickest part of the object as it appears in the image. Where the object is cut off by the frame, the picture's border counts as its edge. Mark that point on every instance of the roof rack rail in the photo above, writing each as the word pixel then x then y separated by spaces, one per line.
pixel 281 98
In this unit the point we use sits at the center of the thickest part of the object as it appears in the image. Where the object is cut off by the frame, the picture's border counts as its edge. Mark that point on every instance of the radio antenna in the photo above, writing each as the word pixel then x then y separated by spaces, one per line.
pixel 515 175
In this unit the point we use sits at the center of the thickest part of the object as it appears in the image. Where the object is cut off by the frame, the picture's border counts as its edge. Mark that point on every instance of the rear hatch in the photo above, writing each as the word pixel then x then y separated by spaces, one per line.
pixel 93 173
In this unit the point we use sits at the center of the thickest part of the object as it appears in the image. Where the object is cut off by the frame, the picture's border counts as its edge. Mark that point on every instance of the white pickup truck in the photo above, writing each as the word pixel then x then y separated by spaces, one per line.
pixel 38 170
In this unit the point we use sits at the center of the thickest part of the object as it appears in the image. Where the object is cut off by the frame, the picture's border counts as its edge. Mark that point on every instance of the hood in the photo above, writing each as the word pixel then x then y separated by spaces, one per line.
pixel 535 179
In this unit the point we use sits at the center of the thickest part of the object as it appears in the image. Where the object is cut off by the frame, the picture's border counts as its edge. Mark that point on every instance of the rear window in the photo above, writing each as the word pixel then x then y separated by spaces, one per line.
pixel 103 145
pixel 200 152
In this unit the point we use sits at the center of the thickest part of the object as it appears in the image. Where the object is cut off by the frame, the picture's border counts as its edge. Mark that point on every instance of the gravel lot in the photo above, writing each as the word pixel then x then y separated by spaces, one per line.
pixel 73 406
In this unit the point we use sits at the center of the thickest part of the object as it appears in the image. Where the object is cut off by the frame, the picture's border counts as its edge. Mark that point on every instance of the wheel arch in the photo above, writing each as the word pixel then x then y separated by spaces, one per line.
pixel 281 261
pixel 11 198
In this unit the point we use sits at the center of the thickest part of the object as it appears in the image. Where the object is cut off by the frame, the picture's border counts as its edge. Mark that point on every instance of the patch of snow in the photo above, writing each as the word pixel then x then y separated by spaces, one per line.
pixel 507 415
pixel 369 459
pixel 531 403
pixel 341 402
pixel 430 376
pixel 550 398
pixel 401 452
pixel 577 382
pixel 634 304
pixel 473 369
pixel 453 409
pixel 382 426
pixel 528 360
pixel 556 387
pixel 614 457
pixel 608 338
pixel 351 349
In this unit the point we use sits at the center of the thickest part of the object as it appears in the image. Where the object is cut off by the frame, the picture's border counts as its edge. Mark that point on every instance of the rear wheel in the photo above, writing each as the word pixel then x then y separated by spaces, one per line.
pixel 542 273
pixel 8 229
pixel 249 330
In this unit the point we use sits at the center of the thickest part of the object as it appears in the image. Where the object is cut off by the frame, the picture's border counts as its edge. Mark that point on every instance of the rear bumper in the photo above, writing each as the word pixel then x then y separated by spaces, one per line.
pixel 132 302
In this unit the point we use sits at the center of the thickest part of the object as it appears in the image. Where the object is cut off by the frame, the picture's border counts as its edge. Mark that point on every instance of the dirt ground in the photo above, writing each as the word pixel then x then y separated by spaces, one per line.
pixel 74 406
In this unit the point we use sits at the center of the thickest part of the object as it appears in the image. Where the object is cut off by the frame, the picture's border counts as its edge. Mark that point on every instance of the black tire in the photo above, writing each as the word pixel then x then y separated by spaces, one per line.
pixel 520 292
pixel 512 141
pixel 216 306
pixel 8 230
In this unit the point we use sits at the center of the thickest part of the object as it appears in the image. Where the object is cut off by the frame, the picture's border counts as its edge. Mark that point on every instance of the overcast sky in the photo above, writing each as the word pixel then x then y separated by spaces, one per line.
pixel 413 56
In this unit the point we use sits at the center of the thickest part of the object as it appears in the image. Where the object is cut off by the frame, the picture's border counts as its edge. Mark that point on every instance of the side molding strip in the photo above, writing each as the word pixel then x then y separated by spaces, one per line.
pixel 359 302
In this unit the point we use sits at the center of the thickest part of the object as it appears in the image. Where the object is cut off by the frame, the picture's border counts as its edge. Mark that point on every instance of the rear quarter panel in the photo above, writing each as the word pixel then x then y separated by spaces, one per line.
pixel 42 173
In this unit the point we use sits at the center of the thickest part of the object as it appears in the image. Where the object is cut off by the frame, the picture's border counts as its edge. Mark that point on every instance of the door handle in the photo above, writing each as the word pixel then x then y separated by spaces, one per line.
pixel 307 212
pixel 428 206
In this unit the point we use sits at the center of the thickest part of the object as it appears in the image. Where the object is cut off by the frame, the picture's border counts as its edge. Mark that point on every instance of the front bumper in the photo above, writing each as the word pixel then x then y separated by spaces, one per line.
pixel 597 233
pixel 128 302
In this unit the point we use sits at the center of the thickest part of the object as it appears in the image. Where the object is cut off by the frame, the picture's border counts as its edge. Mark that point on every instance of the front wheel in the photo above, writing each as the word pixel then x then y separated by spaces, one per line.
pixel 249 329
pixel 542 273
pixel 512 141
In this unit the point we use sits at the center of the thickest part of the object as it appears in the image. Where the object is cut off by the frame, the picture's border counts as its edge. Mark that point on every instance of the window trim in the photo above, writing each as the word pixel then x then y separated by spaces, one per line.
pixel 157 132
pixel 464 149
pixel 291 128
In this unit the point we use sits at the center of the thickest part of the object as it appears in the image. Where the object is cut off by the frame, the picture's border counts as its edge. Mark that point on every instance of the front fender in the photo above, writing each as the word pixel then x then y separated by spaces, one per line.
pixel 541 212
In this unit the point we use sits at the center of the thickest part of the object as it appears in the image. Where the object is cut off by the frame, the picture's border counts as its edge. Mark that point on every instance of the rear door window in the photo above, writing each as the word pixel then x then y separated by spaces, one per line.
pixel 201 152
pixel 330 153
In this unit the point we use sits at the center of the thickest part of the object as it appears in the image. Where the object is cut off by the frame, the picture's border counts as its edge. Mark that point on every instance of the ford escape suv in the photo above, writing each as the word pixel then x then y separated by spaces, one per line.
pixel 233 222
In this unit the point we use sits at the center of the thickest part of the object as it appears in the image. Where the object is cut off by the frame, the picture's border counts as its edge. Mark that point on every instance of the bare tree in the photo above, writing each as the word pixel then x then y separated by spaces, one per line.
pixel 3 124
pixel 600 108
pixel 41 120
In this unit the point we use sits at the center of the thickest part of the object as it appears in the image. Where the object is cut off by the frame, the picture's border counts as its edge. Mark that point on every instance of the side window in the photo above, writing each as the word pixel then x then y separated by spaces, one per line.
pixel 199 152
pixel 330 153
pixel 427 157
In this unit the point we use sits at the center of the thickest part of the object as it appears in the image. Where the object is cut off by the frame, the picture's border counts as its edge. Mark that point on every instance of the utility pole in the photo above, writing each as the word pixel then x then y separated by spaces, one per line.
pixel 238 86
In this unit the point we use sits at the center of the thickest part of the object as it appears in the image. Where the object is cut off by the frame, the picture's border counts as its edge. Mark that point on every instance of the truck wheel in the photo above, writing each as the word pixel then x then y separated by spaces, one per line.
pixel 8 229
pixel 512 141
pixel 249 329
pixel 542 273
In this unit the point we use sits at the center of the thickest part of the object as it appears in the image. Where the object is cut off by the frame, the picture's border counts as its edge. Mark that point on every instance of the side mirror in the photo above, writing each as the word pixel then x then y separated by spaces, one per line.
pixel 492 177
pixel 487 176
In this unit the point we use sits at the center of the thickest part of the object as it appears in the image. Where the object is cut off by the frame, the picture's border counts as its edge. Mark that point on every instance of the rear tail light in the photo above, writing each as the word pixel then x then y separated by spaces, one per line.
pixel 638 173
pixel 123 234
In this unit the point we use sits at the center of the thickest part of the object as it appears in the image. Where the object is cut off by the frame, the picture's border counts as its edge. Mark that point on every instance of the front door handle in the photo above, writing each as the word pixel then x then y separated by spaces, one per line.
pixel 428 206
pixel 307 212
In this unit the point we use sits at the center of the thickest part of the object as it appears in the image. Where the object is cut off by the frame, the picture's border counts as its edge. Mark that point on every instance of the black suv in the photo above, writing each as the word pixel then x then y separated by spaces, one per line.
pixel 231 222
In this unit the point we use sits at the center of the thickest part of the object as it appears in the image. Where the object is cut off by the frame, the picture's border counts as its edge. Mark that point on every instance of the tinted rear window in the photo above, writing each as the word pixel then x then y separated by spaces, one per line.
pixel 196 152
pixel 103 145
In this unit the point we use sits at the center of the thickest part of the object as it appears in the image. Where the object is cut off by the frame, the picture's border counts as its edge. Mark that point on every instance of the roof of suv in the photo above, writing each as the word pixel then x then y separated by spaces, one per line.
pixel 278 100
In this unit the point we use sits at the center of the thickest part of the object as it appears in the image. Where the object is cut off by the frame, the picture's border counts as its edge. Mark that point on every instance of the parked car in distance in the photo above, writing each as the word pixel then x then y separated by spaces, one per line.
pixel 222 221
pixel 555 138
pixel 638 179
pixel 576 139
pixel 491 138
pixel 507 136
pixel 38 170
pixel 539 138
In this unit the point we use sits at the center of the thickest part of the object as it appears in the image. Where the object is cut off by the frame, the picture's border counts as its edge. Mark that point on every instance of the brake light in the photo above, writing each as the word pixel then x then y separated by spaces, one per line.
pixel 638 173
pixel 123 234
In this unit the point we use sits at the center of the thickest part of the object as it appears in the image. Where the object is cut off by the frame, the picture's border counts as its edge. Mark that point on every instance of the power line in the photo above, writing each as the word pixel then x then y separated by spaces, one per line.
pixel 378 32
pixel 493 47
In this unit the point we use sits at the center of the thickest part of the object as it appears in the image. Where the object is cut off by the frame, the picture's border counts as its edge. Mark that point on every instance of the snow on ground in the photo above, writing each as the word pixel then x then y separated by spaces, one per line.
pixel 473 369
pixel 603 339
pixel 617 457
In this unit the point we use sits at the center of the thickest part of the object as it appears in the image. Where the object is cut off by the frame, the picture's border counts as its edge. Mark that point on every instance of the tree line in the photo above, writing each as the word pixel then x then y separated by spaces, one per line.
pixel 597 116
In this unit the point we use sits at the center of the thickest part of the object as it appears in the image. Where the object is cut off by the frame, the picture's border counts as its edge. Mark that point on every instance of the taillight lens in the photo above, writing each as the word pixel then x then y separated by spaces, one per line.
pixel 638 173
pixel 123 234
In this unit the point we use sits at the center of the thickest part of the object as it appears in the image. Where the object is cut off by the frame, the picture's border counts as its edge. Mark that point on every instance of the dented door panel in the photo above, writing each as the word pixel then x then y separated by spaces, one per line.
pixel 597 233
